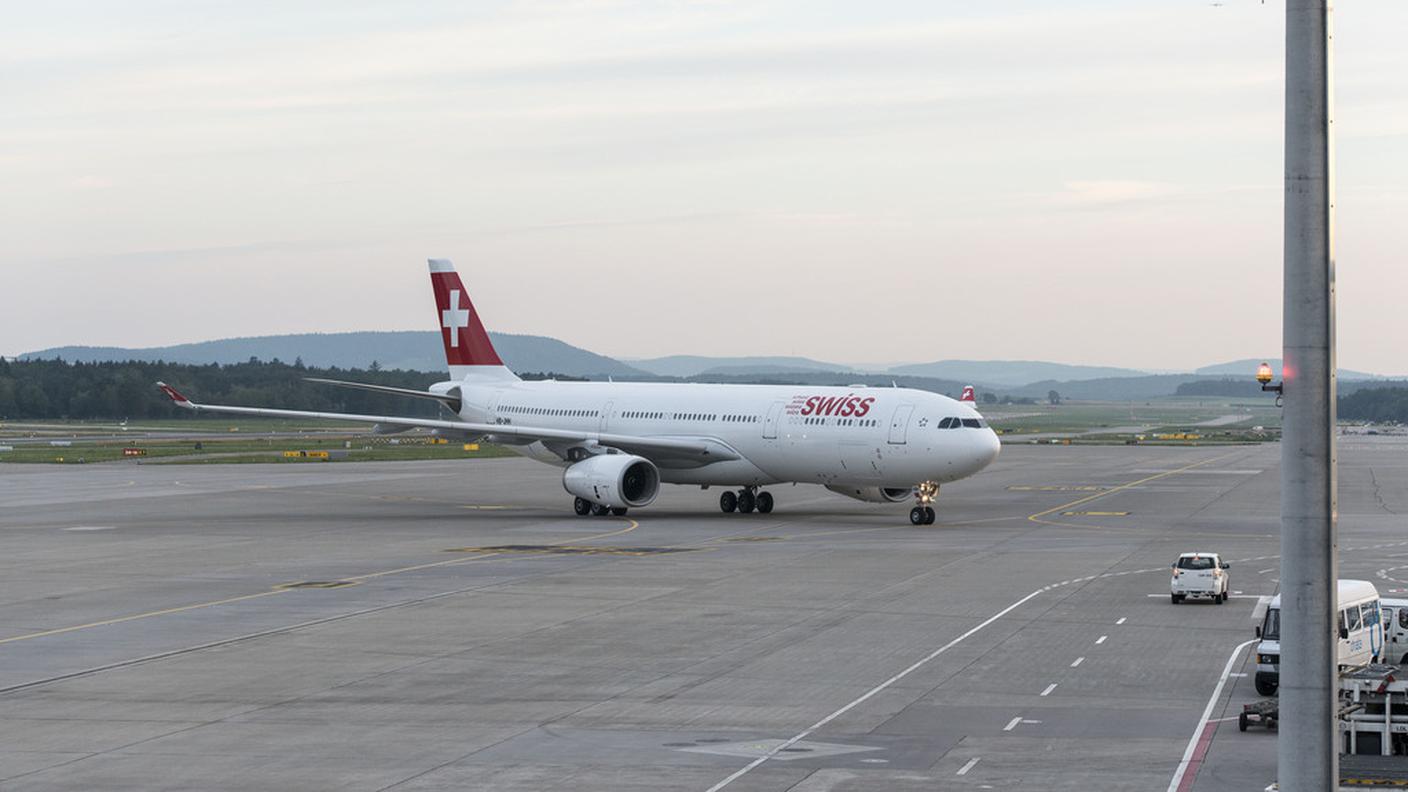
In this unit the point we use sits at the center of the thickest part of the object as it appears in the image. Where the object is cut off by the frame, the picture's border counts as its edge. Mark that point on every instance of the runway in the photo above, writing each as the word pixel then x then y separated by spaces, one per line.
pixel 453 625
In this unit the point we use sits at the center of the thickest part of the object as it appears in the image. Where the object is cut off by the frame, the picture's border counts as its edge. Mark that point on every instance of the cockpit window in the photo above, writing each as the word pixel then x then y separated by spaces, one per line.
pixel 945 423
pixel 971 423
pixel 954 423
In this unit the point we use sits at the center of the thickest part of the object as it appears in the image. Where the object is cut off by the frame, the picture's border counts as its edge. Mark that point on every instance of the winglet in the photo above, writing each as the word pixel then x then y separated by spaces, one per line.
pixel 175 396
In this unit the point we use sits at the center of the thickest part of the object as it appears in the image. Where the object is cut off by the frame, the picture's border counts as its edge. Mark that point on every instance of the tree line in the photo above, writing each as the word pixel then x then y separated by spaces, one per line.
pixel 1380 405
pixel 54 389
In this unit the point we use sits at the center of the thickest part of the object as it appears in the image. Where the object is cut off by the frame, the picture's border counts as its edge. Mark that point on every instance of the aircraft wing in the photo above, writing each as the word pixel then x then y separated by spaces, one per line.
pixel 451 402
pixel 698 450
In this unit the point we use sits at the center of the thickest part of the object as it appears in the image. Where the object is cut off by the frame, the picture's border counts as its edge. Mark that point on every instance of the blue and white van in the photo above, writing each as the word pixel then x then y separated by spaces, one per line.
pixel 1361 633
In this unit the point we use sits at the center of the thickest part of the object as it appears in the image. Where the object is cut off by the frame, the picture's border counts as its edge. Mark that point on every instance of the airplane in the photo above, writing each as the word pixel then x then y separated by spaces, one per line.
pixel 617 442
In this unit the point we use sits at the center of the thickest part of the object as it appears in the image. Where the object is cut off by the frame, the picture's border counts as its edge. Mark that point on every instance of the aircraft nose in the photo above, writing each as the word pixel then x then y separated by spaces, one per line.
pixel 992 446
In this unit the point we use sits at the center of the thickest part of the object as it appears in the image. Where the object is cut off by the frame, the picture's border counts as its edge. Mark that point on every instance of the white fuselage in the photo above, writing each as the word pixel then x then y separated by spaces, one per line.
pixel 888 437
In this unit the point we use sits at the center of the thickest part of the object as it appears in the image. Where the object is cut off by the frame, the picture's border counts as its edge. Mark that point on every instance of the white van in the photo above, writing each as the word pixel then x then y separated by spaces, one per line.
pixel 1395 630
pixel 1361 633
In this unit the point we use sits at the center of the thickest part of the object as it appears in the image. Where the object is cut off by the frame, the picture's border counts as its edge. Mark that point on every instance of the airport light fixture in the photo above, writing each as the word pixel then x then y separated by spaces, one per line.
pixel 1264 375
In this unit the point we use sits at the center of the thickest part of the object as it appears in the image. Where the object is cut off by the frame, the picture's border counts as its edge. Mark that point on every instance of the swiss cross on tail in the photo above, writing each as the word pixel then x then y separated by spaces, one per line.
pixel 968 395
pixel 466 343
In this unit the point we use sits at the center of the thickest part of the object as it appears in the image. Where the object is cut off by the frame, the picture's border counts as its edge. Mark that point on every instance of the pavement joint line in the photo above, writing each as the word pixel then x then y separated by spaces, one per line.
pixel 1049 688
pixel 256 595
pixel 233 640
pixel 1202 736
pixel 807 732
pixel 968 766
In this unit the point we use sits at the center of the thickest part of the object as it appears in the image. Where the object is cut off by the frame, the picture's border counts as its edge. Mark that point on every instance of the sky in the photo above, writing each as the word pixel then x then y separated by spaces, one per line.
pixel 1097 182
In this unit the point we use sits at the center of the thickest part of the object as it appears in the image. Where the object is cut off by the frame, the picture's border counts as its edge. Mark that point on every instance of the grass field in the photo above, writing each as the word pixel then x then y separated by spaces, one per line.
pixel 1203 416
pixel 236 448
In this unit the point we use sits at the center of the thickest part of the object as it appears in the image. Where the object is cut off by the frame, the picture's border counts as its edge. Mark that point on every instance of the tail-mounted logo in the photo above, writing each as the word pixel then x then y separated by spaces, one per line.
pixel 967 394
pixel 848 406
pixel 454 317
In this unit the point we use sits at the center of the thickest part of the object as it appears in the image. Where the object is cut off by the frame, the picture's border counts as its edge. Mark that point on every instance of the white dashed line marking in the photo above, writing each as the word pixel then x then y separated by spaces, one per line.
pixel 969 766
pixel 1264 571
pixel 925 660
pixel 1077 662
pixel 1101 640
pixel 1012 724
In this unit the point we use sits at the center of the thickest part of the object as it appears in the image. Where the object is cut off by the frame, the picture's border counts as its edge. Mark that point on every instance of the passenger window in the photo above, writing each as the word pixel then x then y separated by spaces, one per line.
pixel 1403 618
pixel 1353 613
pixel 1371 615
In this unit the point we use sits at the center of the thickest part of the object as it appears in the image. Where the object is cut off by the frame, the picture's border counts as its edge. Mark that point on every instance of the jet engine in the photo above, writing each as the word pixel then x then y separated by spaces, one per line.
pixel 874 494
pixel 615 480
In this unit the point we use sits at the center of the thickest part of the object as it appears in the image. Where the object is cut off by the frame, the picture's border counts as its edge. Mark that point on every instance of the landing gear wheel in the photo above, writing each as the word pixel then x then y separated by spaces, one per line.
pixel 917 515
pixel 929 515
pixel 728 502
pixel 764 502
pixel 598 510
pixel 746 501
pixel 582 506
pixel 618 511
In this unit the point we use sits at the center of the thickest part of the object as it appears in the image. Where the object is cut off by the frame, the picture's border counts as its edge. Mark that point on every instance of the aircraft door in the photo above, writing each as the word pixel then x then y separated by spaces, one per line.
pixel 605 416
pixel 770 422
pixel 899 423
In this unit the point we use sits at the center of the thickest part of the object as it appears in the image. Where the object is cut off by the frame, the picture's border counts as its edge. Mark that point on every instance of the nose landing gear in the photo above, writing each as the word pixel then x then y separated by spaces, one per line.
pixel 745 501
pixel 926 493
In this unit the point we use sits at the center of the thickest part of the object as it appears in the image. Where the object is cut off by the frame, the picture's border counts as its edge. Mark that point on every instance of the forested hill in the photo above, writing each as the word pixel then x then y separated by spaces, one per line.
pixel 33 389
pixel 408 349
pixel 1380 405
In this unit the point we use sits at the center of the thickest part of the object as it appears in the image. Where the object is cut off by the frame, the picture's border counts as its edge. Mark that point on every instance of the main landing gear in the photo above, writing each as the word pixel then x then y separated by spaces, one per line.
pixel 583 507
pixel 746 500
pixel 926 493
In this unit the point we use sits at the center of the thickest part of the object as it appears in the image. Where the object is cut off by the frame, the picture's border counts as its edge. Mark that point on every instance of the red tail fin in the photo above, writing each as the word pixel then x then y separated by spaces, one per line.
pixel 466 343
pixel 968 395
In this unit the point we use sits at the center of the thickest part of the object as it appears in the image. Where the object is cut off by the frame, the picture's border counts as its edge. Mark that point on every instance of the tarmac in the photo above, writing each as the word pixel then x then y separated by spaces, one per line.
pixel 453 625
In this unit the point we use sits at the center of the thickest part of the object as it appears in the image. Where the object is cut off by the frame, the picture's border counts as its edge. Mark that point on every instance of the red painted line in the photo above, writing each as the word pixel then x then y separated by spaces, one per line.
pixel 1196 761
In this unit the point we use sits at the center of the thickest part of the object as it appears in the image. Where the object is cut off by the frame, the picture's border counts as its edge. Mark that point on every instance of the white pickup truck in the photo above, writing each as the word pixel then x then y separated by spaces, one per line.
pixel 1199 575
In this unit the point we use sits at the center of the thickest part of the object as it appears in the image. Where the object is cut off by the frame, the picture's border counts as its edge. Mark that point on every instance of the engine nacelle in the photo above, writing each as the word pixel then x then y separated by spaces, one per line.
pixel 614 480
pixel 874 494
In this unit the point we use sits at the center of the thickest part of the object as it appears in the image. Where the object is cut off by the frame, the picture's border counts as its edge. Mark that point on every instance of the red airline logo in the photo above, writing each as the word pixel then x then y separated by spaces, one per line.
pixel 848 406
